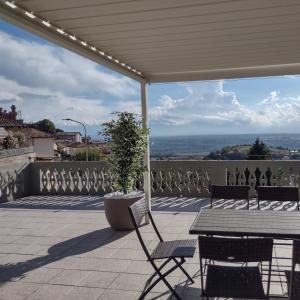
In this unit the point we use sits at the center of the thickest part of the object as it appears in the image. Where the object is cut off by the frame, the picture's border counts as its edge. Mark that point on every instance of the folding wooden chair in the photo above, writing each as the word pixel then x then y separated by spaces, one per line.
pixel 236 192
pixel 172 251
pixel 277 193
pixel 230 280
pixel 293 277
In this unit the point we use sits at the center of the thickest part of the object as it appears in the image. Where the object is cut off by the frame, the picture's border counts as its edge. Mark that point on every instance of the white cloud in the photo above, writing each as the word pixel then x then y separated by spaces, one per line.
pixel 39 103
pixel 45 81
pixel 132 106
pixel 203 101
pixel 36 65
pixel 209 105
pixel 272 98
pixel 163 112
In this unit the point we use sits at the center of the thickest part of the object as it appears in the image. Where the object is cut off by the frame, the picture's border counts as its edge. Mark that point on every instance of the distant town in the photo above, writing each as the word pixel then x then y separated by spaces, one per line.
pixel 48 142
pixel 54 144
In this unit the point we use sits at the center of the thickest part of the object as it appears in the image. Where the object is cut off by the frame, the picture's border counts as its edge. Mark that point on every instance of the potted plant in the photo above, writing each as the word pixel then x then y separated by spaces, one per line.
pixel 127 142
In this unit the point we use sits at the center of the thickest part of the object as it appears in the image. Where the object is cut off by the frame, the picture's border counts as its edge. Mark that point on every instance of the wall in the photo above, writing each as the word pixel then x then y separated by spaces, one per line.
pixel 15 176
pixel 78 138
pixel 43 147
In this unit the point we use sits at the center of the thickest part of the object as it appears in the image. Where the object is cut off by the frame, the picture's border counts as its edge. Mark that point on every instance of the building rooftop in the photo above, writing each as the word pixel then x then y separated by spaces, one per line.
pixel 67 133
pixel 31 132
pixel 10 118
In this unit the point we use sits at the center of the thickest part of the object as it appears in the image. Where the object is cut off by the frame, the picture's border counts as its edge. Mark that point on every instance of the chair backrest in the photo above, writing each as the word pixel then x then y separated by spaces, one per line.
pixel 138 211
pixel 236 249
pixel 277 193
pixel 230 191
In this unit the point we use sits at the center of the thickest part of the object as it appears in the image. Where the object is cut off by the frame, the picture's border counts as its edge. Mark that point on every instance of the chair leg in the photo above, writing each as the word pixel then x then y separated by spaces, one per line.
pixel 160 268
pixel 183 270
pixel 162 277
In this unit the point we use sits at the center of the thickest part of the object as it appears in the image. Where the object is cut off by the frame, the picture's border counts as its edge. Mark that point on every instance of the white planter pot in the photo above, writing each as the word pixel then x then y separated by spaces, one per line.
pixel 116 209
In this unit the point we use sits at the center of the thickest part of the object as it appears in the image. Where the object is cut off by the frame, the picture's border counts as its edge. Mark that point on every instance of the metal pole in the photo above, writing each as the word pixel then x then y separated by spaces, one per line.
pixel 85 137
pixel 86 144
pixel 147 179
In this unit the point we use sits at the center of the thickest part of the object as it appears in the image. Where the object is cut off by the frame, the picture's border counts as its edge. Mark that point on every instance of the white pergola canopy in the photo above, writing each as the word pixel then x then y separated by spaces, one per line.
pixel 171 40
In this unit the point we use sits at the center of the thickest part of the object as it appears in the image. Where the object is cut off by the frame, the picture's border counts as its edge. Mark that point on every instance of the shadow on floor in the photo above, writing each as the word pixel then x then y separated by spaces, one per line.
pixel 86 202
pixel 171 204
pixel 57 202
pixel 75 246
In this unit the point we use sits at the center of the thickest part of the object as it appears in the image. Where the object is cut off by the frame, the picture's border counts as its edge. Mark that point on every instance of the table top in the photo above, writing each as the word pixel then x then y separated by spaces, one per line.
pixel 230 222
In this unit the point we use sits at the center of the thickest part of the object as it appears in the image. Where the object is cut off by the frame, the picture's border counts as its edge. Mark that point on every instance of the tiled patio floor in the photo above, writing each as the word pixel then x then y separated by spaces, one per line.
pixel 52 252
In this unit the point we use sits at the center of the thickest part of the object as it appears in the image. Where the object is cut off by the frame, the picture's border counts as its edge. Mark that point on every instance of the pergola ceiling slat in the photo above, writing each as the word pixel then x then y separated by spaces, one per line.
pixel 234 57
pixel 225 73
pixel 196 39
pixel 220 65
pixel 195 47
pixel 65 4
pixel 113 4
pixel 160 26
pixel 159 35
pixel 161 15
pixel 128 7
pixel 177 40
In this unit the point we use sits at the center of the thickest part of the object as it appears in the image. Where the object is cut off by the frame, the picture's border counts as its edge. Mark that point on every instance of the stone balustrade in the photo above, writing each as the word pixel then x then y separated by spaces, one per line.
pixel 71 178
pixel 168 178
pixel 186 178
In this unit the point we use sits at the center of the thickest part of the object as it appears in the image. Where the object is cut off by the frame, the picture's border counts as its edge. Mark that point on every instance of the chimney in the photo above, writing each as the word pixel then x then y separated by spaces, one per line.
pixel 14 112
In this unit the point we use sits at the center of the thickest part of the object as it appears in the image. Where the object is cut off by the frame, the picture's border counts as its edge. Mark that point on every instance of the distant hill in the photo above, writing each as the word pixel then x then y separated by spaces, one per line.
pixel 239 152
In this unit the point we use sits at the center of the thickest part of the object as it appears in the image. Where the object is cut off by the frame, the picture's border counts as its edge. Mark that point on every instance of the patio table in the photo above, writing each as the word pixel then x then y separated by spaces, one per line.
pixel 229 222
pixel 256 223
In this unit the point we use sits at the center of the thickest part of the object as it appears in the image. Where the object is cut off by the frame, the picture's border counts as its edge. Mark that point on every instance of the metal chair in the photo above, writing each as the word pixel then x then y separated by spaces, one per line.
pixel 234 281
pixel 293 276
pixel 172 251
pixel 277 193
pixel 236 192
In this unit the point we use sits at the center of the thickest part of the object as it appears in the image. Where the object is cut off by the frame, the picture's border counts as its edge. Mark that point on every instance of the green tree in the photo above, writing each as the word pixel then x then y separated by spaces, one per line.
pixel 10 142
pixel 14 140
pixel 45 125
pixel 21 138
pixel 259 151
pixel 127 141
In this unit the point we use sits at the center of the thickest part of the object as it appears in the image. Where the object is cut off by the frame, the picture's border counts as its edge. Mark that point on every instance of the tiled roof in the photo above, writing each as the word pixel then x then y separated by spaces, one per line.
pixel 68 133
pixel 7 122
pixel 31 132
pixel 76 145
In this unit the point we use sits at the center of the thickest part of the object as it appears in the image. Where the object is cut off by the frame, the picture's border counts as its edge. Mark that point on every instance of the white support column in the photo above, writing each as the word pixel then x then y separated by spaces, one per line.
pixel 147 174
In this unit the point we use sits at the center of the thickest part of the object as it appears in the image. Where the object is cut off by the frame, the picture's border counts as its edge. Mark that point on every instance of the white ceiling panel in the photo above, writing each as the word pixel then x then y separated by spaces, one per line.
pixel 173 40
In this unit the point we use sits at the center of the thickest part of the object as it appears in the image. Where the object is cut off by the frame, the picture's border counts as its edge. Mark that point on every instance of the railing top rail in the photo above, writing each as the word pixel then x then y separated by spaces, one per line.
pixel 15 152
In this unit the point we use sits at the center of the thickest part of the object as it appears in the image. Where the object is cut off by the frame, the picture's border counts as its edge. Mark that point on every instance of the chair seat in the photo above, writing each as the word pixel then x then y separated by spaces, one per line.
pixel 178 248
pixel 296 283
pixel 234 282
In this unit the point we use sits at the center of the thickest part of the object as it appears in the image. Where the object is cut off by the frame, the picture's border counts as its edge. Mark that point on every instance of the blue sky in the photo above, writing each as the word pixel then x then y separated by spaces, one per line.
pixel 46 81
